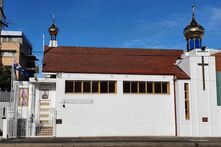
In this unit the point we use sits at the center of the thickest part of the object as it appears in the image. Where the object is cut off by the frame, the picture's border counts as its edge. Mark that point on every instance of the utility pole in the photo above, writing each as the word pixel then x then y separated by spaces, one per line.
pixel 2 18
pixel 2 15
pixel 4 24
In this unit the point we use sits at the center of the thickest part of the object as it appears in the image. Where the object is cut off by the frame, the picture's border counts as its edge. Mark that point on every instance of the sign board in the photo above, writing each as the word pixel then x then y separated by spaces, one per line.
pixel 78 101
pixel 45 87
pixel 58 121
pixel 204 119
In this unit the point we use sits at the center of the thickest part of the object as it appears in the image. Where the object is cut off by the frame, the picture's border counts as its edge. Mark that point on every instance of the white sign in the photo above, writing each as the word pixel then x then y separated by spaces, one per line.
pixel 77 101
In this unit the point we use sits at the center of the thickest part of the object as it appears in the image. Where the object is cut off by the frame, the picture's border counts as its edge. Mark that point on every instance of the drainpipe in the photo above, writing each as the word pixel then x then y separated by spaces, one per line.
pixel 175 108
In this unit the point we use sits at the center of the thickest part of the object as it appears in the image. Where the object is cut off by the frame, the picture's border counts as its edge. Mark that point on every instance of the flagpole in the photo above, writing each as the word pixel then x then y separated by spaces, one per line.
pixel 12 102
pixel 12 81
pixel 43 42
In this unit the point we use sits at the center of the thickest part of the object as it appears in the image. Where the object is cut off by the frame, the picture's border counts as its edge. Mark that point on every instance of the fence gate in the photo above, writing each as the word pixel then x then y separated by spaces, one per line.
pixel 21 127
pixel 46 123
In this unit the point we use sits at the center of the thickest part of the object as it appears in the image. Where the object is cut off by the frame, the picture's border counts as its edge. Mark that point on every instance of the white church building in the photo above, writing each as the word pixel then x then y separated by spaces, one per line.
pixel 88 91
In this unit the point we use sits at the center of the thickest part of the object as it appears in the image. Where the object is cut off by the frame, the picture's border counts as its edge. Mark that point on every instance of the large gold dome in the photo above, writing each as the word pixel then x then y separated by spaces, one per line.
pixel 193 30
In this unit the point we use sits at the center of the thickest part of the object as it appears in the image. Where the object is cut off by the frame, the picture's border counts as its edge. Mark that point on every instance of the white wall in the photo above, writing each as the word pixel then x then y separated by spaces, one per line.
pixel 33 102
pixel 51 98
pixel 2 105
pixel 203 103
pixel 184 126
pixel 114 114
pixel 215 109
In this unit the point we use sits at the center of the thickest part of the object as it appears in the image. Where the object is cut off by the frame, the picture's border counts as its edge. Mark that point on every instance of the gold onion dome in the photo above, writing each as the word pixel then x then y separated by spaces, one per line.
pixel 194 30
pixel 53 30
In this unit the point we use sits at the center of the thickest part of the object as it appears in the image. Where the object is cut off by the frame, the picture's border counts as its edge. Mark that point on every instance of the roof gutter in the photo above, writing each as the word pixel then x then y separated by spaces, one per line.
pixel 175 108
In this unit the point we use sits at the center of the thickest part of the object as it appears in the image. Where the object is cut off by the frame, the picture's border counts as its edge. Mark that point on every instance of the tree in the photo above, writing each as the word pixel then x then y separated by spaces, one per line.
pixel 5 78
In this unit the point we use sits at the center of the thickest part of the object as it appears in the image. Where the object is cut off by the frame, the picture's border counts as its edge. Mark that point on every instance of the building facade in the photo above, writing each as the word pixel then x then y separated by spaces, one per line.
pixel 15 47
pixel 90 91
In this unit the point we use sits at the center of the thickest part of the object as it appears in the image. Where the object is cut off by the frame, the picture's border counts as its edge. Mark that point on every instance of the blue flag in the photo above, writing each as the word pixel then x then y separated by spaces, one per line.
pixel 20 69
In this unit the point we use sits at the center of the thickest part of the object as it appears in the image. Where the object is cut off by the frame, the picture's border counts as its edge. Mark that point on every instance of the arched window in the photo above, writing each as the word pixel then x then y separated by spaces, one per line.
pixel 197 43
pixel 192 44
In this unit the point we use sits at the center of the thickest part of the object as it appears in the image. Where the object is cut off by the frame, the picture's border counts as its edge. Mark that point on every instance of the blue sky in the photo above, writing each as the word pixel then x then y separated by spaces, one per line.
pixel 114 23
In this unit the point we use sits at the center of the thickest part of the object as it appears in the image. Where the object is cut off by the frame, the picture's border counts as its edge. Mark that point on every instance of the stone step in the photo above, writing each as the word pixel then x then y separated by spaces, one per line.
pixel 45 134
pixel 44 121
pixel 44 109
pixel 44 115
pixel 44 103
pixel 45 131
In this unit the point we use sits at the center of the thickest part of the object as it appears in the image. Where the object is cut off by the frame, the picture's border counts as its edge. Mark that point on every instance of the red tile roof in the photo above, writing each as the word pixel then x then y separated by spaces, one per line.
pixel 112 61
pixel 218 61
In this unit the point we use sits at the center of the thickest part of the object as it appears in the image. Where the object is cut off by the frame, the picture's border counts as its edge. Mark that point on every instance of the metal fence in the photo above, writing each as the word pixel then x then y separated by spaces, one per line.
pixel 5 96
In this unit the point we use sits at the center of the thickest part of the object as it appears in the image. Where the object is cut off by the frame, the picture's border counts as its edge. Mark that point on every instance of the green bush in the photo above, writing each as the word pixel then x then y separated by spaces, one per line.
pixel 5 78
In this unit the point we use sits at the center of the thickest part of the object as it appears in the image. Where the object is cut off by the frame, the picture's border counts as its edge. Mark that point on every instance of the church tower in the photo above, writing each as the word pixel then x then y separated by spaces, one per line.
pixel 193 33
pixel 53 31
pixel 197 110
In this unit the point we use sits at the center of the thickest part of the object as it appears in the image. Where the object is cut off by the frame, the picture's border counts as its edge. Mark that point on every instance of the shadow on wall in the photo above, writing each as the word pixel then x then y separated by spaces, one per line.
pixel 1 64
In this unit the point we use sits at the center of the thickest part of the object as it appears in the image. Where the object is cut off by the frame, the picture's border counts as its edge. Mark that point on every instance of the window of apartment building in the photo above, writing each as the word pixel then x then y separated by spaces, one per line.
pixel 187 101
pixel 6 54
pixel 90 87
pixel 143 87
pixel 7 39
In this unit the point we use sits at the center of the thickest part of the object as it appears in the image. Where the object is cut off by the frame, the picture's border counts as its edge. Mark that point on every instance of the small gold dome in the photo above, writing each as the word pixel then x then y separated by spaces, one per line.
pixel 193 30
pixel 53 30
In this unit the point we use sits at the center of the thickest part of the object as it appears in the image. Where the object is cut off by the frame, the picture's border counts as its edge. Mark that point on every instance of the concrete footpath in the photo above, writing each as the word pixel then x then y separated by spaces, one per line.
pixel 113 142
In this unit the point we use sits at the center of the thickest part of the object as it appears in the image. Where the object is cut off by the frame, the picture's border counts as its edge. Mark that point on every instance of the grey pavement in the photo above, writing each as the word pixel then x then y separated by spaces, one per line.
pixel 114 142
